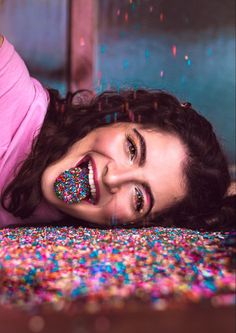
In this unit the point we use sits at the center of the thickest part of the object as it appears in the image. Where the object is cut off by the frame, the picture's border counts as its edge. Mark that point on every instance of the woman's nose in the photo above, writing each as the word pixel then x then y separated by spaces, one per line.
pixel 115 176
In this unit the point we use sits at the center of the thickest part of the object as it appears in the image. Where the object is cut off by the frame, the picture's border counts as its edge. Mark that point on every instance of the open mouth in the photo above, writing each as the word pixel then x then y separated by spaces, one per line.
pixel 78 183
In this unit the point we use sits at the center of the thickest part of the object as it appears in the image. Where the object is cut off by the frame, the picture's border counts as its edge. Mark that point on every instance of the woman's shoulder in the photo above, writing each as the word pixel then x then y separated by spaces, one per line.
pixel 19 93
pixel 23 105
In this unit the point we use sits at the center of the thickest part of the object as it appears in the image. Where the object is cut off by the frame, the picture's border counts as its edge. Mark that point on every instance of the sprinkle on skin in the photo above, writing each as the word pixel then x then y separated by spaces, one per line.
pixel 161 266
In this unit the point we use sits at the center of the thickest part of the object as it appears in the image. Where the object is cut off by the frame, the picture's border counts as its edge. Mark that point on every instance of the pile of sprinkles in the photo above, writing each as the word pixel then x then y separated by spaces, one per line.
pixel 108 268
pixel 72 186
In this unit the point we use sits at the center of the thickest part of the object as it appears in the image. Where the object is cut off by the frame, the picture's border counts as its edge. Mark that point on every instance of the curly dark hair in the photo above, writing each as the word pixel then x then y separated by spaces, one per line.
pixel 70 119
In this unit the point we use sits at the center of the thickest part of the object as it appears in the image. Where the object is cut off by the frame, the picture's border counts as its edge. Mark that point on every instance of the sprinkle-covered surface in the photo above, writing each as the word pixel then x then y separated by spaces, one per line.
pixel 108 268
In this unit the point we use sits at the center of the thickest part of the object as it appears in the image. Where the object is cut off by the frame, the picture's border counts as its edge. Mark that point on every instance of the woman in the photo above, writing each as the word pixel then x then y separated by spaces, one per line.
pixel 120 158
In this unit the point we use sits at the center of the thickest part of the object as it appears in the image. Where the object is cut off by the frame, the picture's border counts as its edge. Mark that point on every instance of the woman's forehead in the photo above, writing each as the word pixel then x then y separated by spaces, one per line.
pixel 164 167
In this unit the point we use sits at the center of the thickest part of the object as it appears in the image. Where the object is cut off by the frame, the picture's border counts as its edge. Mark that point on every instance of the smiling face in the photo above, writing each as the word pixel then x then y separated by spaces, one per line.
pixel 133 172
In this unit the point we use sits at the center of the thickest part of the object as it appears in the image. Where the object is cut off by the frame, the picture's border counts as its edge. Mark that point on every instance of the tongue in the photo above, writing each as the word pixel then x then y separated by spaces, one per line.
pixel 72 186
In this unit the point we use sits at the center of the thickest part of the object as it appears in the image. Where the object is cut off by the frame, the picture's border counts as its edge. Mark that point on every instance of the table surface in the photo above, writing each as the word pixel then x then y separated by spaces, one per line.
pixel 81 280
pixel 194 319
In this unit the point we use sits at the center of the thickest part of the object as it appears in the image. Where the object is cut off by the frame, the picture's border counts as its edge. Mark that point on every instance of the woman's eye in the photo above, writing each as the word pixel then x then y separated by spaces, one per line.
pixel 139 200
pixel 131 148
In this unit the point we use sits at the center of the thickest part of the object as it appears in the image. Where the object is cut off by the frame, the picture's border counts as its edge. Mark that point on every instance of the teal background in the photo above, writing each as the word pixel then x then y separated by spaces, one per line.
pixel 136 50
pixel 135 40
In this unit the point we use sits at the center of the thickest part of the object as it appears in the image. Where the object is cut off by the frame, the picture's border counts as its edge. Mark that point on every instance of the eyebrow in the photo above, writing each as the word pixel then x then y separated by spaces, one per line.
pixel 142 161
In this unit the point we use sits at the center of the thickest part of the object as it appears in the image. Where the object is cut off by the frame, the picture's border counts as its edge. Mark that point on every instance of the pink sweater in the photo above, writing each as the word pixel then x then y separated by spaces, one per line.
pixel 23 105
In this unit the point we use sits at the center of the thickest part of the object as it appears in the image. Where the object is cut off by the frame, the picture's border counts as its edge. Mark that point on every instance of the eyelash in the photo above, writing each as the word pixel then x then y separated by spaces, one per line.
pixel 139 199
pixel 131 145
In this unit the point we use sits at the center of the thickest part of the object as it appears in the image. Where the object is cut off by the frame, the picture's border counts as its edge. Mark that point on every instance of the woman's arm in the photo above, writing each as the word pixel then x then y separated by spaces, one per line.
pixel 1 40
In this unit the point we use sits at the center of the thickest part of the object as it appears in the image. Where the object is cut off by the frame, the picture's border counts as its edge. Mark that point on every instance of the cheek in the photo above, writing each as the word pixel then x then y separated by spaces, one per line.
pixel 119 209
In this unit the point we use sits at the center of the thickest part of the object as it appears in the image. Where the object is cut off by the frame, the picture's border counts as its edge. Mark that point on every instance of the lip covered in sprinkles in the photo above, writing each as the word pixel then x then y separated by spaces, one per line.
pixel 72 186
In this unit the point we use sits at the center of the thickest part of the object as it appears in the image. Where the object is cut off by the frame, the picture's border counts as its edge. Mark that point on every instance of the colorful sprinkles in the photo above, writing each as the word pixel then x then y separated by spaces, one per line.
pixel 72 186
pixel 157 266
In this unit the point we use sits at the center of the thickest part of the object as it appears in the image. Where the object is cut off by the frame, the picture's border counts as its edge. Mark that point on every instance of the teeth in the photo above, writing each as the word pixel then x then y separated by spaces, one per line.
pixel 91 180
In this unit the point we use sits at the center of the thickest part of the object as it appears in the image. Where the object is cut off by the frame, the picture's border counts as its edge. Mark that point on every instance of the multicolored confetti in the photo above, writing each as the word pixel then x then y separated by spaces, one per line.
pixel 72 186
pixel 107 268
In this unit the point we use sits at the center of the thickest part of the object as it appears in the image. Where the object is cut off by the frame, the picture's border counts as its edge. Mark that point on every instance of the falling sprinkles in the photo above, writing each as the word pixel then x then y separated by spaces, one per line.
pixel 157 265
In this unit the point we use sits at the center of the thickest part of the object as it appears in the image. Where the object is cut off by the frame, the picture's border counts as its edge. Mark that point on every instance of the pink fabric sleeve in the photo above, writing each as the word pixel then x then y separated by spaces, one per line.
pixel 23 106
pixel 16 93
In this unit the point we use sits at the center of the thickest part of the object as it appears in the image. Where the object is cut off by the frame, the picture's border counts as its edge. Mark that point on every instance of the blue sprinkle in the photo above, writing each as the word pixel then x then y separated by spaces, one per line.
pixel 94 254
pixel 210 285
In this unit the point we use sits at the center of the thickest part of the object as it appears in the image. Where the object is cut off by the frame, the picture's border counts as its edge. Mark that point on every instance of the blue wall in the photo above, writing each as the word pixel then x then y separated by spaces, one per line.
pixel 135 49
pixel 206 78
pixel 38 30
pixel 185 47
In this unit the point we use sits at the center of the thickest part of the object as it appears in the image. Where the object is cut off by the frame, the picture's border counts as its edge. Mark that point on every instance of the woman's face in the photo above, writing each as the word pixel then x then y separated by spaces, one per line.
pixel 136 172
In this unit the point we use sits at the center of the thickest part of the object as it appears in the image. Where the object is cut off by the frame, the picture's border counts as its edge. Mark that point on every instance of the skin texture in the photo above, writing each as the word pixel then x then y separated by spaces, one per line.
pixel 119 172
pixel 1 40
